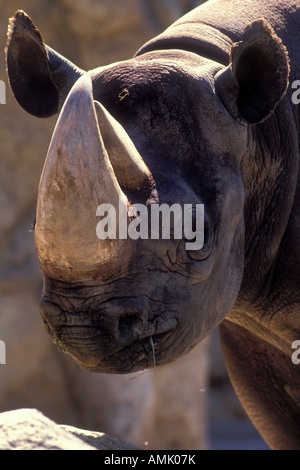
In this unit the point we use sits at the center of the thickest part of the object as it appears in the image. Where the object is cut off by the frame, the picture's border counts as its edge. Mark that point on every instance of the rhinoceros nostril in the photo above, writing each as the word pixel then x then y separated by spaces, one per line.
pixel 130 324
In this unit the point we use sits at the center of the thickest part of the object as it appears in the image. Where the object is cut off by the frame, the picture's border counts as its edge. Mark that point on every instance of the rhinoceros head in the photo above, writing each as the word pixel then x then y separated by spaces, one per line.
pixel 168 128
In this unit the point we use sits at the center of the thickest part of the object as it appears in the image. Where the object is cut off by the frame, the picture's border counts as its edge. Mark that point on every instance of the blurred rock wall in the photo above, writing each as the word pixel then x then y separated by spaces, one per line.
pixel 134 408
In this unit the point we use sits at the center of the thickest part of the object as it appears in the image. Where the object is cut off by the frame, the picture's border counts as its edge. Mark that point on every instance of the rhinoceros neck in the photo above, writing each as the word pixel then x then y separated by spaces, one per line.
pixel 199 38
pixel 269 293
pixel 210 29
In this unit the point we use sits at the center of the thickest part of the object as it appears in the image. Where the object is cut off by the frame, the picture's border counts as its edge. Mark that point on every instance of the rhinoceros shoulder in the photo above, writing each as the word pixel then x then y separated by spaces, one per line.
pixel 267 383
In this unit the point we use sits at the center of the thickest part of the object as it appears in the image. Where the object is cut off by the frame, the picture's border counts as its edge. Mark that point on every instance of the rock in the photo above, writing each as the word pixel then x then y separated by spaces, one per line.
pixel 29 429
pixel 98 440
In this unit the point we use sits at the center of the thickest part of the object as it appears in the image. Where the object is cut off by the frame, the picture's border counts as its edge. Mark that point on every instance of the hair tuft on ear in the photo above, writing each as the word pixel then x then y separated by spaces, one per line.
pixel 22 21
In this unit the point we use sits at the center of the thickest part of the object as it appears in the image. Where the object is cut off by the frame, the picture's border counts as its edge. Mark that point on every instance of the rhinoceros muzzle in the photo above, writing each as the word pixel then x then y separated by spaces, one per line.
pixel 117 337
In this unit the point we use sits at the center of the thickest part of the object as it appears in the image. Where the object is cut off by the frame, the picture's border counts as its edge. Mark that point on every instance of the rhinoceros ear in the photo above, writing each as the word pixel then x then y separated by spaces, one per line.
pixel 40 78
pixel 257 77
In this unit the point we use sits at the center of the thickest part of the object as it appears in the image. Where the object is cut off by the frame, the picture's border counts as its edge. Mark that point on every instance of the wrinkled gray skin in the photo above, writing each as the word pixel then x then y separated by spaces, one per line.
pixel 227 137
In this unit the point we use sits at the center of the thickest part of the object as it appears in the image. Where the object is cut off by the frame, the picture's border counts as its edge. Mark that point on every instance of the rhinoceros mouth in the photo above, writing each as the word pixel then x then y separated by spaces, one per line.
pixel 136 356
pixel 129 348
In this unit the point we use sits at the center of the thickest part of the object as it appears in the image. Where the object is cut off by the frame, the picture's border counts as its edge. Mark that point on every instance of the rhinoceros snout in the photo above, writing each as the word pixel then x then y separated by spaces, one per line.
pixel 92 337
pixel 117 319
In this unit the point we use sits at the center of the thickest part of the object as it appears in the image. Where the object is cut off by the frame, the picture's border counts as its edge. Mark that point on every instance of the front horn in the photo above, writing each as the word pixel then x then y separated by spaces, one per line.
pixel 77 177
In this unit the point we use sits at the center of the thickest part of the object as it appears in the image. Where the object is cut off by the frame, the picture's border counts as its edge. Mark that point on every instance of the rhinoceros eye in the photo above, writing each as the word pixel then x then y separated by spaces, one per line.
pixel 205 251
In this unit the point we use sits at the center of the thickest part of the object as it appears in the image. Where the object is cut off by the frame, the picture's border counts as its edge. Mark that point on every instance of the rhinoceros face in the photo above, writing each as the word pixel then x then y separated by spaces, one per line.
pixel 154 130
pixel 104 300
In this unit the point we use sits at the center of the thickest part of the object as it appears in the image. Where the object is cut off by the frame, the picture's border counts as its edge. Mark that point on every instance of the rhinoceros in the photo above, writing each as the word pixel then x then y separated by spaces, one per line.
pixel 202 115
